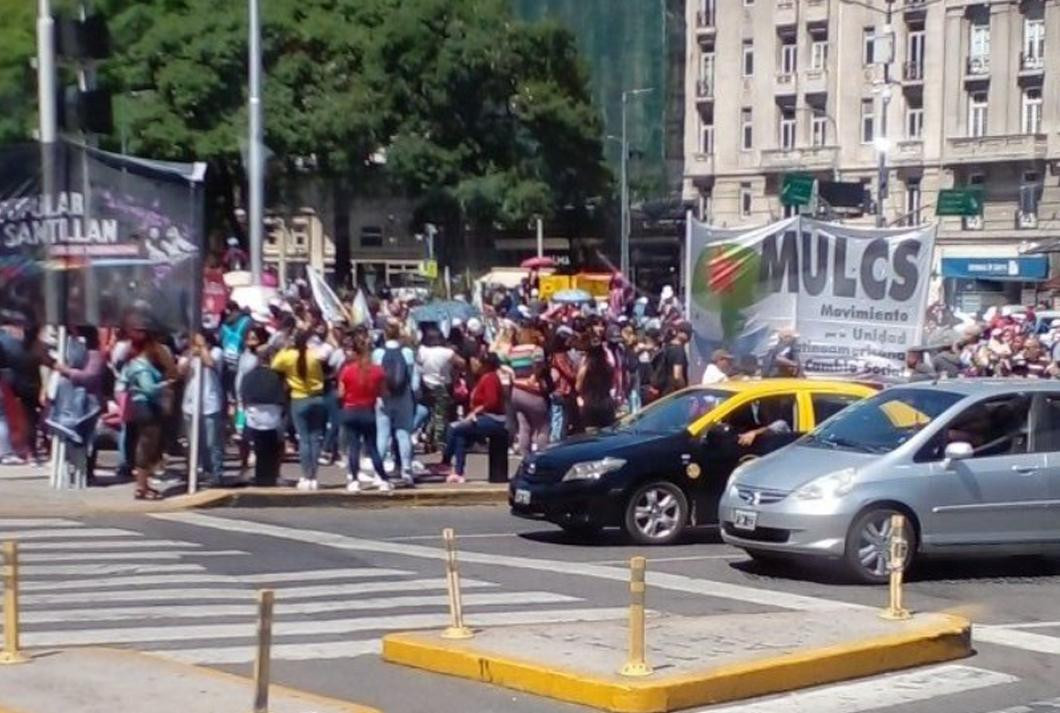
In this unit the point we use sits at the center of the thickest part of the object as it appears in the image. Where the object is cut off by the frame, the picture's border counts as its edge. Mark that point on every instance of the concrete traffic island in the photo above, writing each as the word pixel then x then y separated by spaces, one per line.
pixel 96 680
pixel 696 660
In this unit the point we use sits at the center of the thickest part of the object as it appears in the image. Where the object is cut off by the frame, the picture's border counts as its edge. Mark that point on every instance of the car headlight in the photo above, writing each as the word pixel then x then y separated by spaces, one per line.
pixel 593 469
pixel 730 484
pixel 832 485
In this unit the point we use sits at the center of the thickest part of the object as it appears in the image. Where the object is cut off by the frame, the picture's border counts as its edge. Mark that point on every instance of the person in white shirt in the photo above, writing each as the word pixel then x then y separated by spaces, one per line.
pixel 719 369
pixel 437 361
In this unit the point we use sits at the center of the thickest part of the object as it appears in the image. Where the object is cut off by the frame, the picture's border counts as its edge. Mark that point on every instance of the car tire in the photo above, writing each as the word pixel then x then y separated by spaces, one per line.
pixel 656 513
pixel 866 551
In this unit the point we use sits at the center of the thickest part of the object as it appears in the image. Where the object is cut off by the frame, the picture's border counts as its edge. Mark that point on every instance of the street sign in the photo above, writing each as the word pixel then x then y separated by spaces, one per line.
pixel 429 269
pixel 960 201
pixel 797 189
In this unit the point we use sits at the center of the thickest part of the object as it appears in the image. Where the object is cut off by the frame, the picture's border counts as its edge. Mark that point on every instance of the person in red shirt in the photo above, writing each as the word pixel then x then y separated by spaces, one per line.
pixel 486 418
pixel 360 384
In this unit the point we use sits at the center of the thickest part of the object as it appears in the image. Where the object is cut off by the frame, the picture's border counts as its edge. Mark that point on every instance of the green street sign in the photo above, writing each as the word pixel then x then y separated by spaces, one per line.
pixel 960 202
pixel 797 189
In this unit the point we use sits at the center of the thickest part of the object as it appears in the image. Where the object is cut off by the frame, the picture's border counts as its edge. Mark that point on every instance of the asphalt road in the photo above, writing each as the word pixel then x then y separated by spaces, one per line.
pixel 183 584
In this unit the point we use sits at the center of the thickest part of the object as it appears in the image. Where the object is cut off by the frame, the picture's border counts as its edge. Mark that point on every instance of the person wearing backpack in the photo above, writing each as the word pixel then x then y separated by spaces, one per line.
pixel 397 408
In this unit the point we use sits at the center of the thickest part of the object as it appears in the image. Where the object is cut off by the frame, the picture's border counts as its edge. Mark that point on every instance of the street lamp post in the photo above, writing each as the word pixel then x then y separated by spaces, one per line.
pixel 625 228
pixel 255 159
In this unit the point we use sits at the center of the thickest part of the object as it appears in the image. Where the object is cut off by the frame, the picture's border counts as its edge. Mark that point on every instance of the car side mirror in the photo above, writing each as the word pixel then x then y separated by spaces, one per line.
pixel 960 450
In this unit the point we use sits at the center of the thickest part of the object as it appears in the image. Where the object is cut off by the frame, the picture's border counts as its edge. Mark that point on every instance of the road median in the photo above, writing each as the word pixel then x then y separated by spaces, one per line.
pixel 697 660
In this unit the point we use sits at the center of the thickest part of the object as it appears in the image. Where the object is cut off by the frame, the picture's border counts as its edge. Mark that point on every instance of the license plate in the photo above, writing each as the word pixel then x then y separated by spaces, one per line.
pixel 745 519
pixel 522 497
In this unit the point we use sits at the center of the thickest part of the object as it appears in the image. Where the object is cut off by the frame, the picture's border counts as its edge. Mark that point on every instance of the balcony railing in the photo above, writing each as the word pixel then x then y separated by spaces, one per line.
pixel 808 157
pixel 913 71
pixel 977 66
pixel 704 89
pixel 998 147
pixel 1031 62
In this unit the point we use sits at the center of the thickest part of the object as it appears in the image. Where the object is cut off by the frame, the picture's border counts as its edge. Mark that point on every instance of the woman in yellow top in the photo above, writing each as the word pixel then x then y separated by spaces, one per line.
pixel 304 375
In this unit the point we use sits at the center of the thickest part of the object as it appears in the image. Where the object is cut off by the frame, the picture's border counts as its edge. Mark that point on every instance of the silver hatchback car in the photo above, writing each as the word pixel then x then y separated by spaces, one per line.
pixel 973 464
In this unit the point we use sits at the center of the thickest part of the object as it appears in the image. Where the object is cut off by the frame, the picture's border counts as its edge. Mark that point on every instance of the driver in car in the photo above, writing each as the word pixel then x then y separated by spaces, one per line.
pixel 771 422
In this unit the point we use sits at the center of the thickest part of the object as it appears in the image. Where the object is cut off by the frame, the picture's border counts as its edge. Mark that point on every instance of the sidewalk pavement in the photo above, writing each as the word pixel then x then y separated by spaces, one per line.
pixel 94 680
pixel 697 660
pixel 25 491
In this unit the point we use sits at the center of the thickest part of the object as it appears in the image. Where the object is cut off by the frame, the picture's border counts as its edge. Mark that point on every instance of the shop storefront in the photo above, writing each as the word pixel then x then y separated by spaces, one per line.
pixel 971 284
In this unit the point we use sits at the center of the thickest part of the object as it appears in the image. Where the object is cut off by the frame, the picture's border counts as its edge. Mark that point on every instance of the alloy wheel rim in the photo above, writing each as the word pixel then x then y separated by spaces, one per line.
pixel 874 545
pixel 657 513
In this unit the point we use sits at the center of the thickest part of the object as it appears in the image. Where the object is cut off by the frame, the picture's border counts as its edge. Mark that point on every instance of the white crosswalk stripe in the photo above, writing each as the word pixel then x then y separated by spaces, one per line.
pixel 107 586
pixel 876 693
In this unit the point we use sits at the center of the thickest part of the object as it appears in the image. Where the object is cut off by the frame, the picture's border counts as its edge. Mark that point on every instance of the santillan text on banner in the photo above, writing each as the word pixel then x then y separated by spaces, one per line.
pixel 856 297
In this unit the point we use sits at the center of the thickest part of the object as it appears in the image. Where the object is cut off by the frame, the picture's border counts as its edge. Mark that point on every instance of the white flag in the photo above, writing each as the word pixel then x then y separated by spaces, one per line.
pixel 361 314
pixel 329 303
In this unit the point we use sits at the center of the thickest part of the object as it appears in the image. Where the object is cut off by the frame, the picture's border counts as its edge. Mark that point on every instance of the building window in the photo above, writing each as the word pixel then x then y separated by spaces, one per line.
pixel 706 204
pixel 819 54
pixel 706 75
pixel 1033 44
pixel 979 52
pixel 789 53
pixel 1032 110
pixel 868 45
pixel 819 127
pixel 914 118
pixel 746 200
pixel 913 200
pixel 746 129
pixel 787 128
pixel 371 236
pixel 706 139
pixel 977 114
pixel 914 56
pixel 868 120
pixel 1030 193
pixel 748 58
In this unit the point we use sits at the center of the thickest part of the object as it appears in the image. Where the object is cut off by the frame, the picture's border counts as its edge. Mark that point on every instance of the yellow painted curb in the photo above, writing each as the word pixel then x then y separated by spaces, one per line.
pixel 943 641
pixel 338 497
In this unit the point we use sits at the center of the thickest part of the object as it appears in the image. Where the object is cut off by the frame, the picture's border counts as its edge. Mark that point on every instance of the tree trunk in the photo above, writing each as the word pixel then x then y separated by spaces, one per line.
pixel 341 212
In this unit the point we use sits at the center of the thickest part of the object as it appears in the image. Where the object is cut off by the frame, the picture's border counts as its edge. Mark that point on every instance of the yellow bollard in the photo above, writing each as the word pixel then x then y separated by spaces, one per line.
pixel 456 628
pixel 262 663
pixel 11 653
pixel 637 665
pixel 899 548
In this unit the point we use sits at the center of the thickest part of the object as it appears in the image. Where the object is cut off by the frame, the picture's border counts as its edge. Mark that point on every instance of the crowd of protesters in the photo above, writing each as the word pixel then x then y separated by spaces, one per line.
pixel 375 395
pixel 372 396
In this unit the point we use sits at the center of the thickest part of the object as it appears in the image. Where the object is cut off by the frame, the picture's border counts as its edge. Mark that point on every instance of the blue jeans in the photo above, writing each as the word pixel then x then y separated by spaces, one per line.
pixel 404 439
pixel 635 404
pixel 360 424
pixel 5 433
pixel 310 416
pixel 463 433
pixel 211 445
pixel 335 423
pixel 557 416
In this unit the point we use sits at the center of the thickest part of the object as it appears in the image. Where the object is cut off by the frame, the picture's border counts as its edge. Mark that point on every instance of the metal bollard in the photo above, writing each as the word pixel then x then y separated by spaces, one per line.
pixel 11 653
pixel 456 628
pixel 637 665
pixel 266 597
pixel 899 548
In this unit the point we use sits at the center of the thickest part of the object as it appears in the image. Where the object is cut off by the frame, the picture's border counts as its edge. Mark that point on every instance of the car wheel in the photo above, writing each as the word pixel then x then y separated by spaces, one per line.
pixel 656 514
pixel 868 547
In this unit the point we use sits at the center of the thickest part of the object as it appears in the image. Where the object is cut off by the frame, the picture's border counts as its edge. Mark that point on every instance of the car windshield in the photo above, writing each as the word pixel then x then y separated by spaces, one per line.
pixel 882 423
pixel 675 412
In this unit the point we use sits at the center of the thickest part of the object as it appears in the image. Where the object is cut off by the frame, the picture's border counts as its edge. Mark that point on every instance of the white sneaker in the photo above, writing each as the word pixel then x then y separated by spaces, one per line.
pixel 343 463
pixel 303 484
pixel 313 485
pixel 418 468
pixel 367 478
pixel 323 460
pixel 385 486
pixel 353 487
pixel 407 481
pixel 366 464
pixel 388 465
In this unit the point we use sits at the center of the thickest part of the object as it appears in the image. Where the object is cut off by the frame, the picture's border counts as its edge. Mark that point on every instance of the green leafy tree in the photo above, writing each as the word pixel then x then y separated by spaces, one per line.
pixel 17 86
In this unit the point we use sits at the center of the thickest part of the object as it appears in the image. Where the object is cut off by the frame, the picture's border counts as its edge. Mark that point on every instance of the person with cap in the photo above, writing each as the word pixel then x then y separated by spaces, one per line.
pixel 719 369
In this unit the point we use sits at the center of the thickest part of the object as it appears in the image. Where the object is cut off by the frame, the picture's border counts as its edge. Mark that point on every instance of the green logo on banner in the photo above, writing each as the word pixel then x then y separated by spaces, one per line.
pixel 725 282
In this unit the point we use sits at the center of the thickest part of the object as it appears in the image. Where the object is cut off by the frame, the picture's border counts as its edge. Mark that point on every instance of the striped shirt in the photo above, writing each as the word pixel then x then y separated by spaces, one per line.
pixel 524 359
